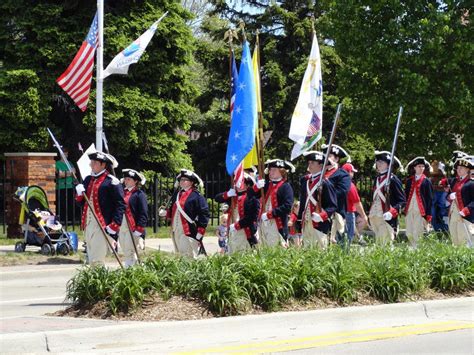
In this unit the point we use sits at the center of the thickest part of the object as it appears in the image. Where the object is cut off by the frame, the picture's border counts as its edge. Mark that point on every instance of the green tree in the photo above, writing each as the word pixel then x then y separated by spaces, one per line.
pixel 144 111
pixel 412 53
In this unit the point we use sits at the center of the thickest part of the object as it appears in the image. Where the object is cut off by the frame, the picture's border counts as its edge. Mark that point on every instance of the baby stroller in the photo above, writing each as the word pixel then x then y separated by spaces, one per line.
pixel 39 224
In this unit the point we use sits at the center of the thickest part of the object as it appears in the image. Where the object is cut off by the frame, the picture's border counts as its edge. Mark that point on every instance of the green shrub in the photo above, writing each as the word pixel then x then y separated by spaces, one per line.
pixel 270 277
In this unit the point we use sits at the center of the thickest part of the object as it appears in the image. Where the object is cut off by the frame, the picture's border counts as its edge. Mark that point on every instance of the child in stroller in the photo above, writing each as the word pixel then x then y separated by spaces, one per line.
pixel 39 224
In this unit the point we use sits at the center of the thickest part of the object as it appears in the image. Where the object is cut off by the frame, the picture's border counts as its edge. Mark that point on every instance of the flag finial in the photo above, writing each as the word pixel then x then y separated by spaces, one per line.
pixel 242 28
pixel 229 35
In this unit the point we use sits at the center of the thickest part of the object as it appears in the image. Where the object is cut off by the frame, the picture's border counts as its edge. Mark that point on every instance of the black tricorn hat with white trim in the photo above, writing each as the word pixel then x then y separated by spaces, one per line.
pixel 467 161
pixel 104 158
pixel 191 175
pixel 457 154
pixel 419 160
pixel 386 157
pixel 135 175
pixel 314 155
pixel 337 151
pixel 280 163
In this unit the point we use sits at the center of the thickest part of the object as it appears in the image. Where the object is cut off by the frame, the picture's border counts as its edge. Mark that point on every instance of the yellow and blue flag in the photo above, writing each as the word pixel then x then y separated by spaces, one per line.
pixel 244 114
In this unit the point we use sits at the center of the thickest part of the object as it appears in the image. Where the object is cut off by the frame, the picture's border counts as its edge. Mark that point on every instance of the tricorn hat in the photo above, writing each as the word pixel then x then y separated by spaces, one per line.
pixel 419 160
pixel 337 151
pixel 457 154
pixel 386 157
pixel 467 161
pixel 314 155
pixel 279 163
pixel 191 175
pixel 103 157
pixel 135 175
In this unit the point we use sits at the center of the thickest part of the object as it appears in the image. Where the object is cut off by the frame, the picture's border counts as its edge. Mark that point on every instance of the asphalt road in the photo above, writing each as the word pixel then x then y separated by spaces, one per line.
pixel 28 292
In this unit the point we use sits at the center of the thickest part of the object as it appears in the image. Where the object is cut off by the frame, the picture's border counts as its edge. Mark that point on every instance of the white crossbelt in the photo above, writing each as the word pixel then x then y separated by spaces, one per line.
pixel 378 190
pixel 180 209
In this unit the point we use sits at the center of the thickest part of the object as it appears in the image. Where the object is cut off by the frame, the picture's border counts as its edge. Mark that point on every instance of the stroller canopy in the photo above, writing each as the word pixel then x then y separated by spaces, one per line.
pixel 31 198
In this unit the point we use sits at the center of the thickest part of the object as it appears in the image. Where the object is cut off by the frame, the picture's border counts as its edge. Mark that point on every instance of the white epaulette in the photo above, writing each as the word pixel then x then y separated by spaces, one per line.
pixel 115 181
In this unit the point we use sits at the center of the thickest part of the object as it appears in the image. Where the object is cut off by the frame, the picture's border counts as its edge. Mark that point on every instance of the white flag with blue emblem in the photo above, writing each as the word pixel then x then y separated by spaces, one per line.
pixel 307 119
pixel 131 54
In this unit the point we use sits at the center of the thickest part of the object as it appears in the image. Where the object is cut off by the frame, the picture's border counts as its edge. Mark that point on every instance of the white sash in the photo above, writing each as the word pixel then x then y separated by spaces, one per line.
pixel 378 190
pixel 180 209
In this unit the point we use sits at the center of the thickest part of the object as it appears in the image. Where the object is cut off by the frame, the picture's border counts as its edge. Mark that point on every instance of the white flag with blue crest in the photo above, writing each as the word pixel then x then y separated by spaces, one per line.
pixel 131 54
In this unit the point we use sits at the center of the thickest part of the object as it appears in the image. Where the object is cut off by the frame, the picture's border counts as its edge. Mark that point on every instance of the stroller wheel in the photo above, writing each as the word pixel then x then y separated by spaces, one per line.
pixel 20 247
pixel 63 249
pixel 46 249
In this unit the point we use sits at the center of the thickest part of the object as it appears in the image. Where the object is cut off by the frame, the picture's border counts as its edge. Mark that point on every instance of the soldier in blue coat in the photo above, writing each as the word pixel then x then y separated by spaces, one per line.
pixel 461 213
pixel 244 216
pixel 105 193
pixel 383 215
pixel 189 214
pixel 341 181
pixel 419 195
pixel 277 202
pixel 316 208
pixel 132 232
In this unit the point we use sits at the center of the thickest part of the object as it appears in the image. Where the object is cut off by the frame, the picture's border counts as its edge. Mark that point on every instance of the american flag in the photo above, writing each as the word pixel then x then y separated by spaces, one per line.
pixel 76 80
pixel 239 171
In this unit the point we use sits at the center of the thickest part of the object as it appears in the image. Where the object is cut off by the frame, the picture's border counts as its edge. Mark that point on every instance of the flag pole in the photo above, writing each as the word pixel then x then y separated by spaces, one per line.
pixel 99 76
pixel 230 35
pixel 313 32
pixel 259 136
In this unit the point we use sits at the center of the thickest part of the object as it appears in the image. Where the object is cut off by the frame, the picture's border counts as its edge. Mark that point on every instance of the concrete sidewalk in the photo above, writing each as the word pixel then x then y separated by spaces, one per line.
pixel 254 333
pixel 163 244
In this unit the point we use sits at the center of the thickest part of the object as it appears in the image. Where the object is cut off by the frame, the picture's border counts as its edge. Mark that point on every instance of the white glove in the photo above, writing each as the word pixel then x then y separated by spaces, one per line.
pixel 80 189
pixel 260 183
pixel 141 243
pixel 452 196
pixel 231 193
pixel 316 217
pixel 387 216
pixel 199 236
pixel 462 213
pixel 110 230
pixel 232 228
pixel 264 217
pixel 162 212
pixel 137 234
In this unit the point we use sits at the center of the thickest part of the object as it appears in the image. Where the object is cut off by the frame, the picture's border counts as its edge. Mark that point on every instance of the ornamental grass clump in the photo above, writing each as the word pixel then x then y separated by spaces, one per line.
pixel 451 269
pixel 340 275
pixel 267 277
pixel 389 275
pixel 307 269
pixel 91 285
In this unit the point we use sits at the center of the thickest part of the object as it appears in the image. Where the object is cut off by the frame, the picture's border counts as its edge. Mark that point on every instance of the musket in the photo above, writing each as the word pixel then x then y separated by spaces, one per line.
pixel 71 170
pixel 392 158
pixel 319 185
pixel 106 147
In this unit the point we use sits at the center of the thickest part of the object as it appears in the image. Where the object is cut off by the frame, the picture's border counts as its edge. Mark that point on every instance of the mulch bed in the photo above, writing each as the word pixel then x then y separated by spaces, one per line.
pixel 180 308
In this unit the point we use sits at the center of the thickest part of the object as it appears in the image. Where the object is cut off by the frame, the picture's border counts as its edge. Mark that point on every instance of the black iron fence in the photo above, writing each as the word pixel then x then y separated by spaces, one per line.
pixel 158 191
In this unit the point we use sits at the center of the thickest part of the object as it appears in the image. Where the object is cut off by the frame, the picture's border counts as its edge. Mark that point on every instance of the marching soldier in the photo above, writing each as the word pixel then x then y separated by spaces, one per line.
pixel 461 213
pixel 419 196
pixel 316 209
pixel 383 215
pixel 243 230
pixel 341 182
pixel 189 214
pixel 105 193
pixel 277 202
pixel 135 218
